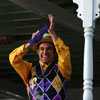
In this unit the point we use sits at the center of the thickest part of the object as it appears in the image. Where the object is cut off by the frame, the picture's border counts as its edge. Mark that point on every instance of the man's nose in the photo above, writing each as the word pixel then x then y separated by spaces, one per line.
pixel 45 51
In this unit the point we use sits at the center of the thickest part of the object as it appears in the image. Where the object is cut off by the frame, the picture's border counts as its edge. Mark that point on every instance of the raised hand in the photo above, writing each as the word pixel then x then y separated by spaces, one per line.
pixel 52 24
pixel 51 27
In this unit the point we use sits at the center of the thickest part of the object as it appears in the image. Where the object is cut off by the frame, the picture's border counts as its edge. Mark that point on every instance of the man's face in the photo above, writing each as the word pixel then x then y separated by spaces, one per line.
pixel 46 52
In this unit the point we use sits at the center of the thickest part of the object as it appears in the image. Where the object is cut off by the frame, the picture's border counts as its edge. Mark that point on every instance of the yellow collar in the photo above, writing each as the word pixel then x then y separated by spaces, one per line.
pixel 44 66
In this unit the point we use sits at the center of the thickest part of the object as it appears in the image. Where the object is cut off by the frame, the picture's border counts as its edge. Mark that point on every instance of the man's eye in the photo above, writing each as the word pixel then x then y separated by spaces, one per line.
pixel 41 48
pixel 49 48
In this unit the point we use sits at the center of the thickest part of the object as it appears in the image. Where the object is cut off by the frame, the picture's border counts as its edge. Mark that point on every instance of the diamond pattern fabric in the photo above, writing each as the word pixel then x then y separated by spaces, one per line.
pixel 45 97
pixel 57 97
pixel 57 83
pixel 49 85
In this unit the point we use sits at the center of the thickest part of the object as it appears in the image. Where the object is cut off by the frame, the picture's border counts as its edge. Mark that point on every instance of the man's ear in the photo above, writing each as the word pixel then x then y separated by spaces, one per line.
pixel 37 51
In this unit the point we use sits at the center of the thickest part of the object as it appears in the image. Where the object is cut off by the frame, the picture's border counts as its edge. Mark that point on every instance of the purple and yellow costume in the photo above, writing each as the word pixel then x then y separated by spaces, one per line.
pixel 50 84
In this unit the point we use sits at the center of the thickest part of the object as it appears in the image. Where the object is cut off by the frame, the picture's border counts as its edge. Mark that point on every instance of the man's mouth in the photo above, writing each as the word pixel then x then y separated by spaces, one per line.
pixel 45 57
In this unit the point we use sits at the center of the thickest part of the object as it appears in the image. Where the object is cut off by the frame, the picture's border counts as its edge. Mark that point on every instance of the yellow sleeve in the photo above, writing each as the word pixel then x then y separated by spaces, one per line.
pixel 22 67
pixel 64 60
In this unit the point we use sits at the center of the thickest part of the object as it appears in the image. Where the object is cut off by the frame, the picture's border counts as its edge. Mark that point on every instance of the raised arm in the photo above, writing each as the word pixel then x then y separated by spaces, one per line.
pixel 16 60
pixel 64 60
pixel 51 28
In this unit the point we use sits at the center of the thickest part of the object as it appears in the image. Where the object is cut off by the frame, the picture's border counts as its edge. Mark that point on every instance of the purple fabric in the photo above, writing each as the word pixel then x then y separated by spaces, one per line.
pixel 34 89
pixel 45 97
pixel 41 84
pixel 47 84
pixel 65 86
pixel 33 98
pixel 56 67
pixel 39 35
pixel 57 97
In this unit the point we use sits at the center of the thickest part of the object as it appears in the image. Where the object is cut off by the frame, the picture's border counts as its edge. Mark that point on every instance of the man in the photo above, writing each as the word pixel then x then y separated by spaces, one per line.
pixel 48 79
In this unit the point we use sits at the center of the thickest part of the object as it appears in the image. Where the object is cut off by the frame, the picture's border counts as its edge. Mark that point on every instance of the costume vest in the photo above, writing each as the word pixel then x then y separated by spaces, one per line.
pixel 47 85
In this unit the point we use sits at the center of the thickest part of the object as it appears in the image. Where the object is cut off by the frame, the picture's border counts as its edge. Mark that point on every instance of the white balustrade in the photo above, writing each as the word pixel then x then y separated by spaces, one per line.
pixel 88 11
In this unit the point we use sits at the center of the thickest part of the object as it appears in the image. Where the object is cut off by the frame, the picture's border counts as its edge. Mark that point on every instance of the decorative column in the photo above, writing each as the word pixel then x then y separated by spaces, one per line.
pixel 88 11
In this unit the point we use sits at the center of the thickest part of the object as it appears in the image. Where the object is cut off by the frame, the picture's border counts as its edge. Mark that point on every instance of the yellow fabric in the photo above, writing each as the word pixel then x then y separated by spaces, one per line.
pixel 64 60
pixel 23 67
pixel 57 83
pixel 44 66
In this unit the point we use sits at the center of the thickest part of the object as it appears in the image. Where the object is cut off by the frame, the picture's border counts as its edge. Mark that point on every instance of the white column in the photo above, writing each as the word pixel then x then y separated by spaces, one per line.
pixel 88 64
pixel 88 11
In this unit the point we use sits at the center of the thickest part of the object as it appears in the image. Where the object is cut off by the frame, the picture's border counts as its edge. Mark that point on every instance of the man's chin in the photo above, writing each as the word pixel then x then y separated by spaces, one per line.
pixel 45 61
